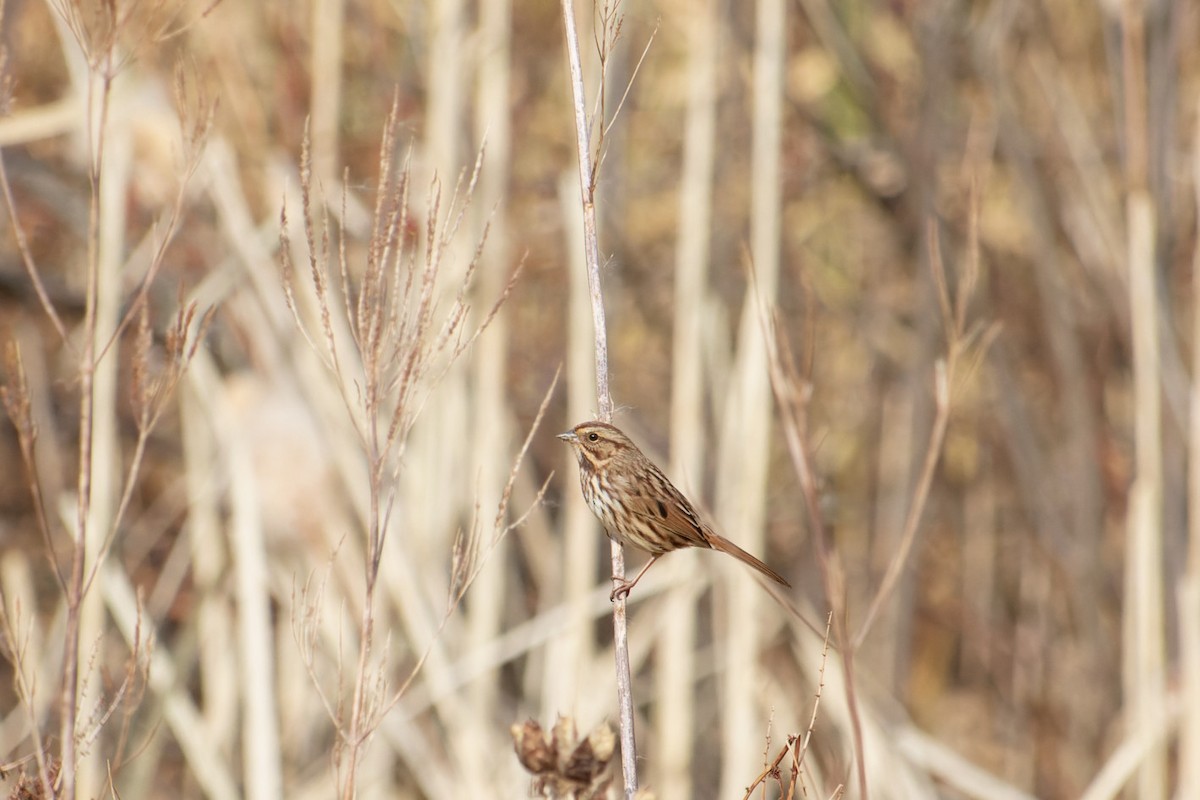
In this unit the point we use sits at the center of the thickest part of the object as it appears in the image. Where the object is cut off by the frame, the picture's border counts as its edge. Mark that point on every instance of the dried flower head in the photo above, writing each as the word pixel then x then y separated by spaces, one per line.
pixel 563 765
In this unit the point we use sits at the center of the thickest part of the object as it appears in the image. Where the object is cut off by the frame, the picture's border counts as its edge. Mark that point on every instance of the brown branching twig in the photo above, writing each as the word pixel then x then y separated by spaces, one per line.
pixel 470 554
pixel 791 394
pixel 15 636
pixel 98 32
pixel 403 344
pixel 14 394
pixel 150 398
pixel 196 112
pixel 31 269
pixel 958 340
pixel 797 745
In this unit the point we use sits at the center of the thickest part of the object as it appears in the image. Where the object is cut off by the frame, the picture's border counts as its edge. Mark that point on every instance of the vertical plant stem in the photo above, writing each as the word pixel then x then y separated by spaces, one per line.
pixel 746 430
pixel 587 192
pixel 1189 591
pixel 328 22
pixel 569 658
pixel 675 658
pixel 490 412
pixel 104 246
pixel 328 19
pixel 1143 628
pixel 603 398
pixel 356 735
pixel 261 758
pixel 216 666
pixel 447 70
pixel 74 597
pixel 444 442
pixel 74 592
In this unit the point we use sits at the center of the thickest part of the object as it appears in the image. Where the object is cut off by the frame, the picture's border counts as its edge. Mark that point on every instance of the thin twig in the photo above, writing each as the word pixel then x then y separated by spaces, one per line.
pixel 587 186
pixel 791 395
pixel 933 454
pixel 629 86
pixel 796 745
pixel 31 269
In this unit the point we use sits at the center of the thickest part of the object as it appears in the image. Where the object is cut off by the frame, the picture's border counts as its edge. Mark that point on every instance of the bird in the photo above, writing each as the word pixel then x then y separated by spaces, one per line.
pixel 638 505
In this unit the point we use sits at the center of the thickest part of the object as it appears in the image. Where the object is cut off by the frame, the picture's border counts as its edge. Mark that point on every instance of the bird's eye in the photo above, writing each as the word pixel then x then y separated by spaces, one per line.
pixel 593 437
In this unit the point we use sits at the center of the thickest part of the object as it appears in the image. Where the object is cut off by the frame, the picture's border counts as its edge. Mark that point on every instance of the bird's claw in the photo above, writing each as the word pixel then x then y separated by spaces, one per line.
pixel 621 590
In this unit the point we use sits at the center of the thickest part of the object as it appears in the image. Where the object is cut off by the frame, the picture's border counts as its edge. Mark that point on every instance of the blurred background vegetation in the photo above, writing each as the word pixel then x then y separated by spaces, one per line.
pixel 1044 636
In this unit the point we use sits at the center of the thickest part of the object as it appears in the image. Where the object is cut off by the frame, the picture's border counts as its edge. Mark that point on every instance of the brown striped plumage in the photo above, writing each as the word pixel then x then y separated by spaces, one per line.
pixel 636 503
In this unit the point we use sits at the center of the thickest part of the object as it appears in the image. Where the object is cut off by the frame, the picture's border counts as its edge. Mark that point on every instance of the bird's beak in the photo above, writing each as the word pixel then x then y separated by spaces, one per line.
pixel 569 437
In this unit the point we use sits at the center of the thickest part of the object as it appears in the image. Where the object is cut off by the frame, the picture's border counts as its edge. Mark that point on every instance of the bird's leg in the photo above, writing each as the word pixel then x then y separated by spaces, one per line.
pixel 624 587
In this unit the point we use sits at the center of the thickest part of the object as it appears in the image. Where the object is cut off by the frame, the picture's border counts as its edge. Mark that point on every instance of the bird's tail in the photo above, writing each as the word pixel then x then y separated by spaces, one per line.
pixel 718 542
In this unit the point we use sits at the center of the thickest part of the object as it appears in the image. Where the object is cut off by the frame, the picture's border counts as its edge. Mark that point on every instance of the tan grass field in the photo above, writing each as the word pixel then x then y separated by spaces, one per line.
pixel 294 299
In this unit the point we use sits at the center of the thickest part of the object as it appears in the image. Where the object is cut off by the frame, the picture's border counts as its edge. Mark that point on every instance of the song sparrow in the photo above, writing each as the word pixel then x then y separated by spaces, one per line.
pixel 636 503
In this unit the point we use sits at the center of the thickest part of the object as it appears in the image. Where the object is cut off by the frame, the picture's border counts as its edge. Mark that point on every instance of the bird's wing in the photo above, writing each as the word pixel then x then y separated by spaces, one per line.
pixel 659 504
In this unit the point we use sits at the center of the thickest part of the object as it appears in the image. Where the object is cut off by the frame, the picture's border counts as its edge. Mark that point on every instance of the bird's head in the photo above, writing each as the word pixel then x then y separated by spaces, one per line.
pixel 597 443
